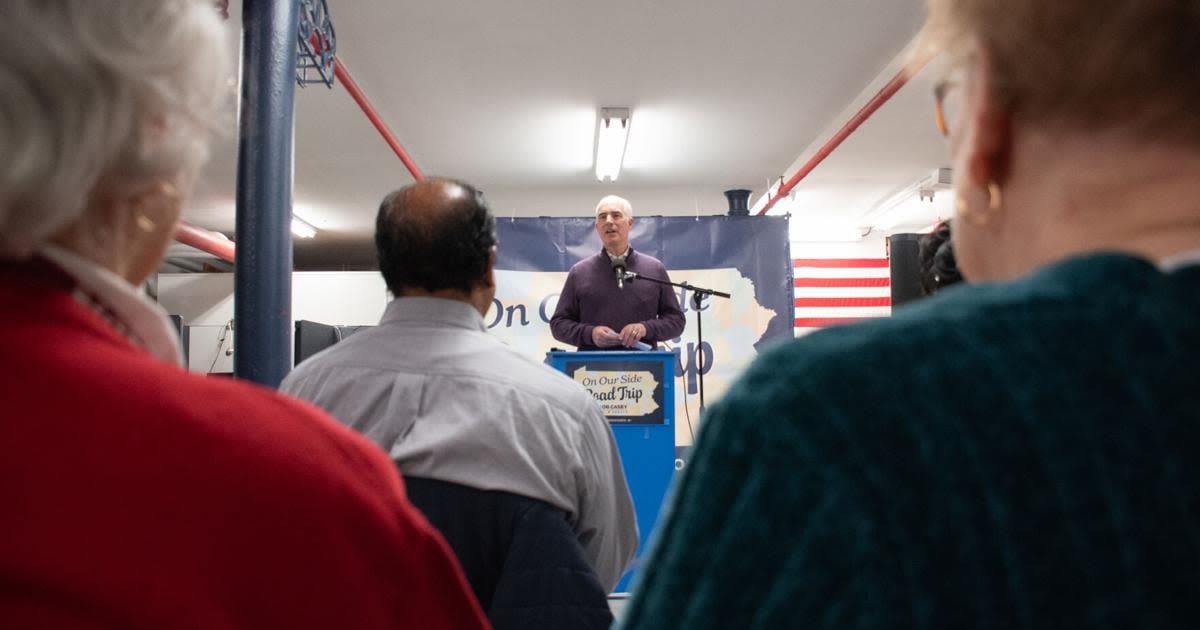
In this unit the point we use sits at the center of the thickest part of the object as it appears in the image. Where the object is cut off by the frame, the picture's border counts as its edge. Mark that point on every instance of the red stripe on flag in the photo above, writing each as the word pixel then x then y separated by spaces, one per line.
pixel 843 302
pixel 821 322
pixel 841 283
pixel 841 263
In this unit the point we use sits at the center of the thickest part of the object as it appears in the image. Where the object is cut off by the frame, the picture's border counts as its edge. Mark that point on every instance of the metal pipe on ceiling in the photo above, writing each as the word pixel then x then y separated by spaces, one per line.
pixel 217 246
pixel 342 74
pixel 889 90
pixel 205 241
pixel 348 82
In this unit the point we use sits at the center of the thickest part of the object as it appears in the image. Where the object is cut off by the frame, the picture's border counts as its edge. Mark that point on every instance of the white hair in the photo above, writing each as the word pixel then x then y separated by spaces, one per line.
pixel 100 95
pixel 613 200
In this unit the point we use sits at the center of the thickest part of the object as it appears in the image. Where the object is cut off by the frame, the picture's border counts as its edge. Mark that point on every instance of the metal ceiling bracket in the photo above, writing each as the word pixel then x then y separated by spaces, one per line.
pixel 317 45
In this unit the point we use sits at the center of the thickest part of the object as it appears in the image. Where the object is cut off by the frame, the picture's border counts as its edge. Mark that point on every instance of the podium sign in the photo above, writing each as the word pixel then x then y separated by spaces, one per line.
pixel 629 392
pixel 636 390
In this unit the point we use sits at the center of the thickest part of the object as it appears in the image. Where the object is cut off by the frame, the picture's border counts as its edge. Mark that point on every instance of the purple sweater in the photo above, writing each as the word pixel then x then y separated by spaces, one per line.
pixel 590 298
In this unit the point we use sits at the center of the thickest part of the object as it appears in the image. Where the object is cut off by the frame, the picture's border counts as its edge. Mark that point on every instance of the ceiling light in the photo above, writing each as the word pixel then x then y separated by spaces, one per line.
pixel 610 142
pixel 302 228
pixel 915 212
pixel 925 200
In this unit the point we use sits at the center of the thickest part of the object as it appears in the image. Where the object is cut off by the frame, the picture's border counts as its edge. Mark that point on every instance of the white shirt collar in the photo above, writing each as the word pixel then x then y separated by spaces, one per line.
pixel 434 310
pixel 1180 260
pixel 145 322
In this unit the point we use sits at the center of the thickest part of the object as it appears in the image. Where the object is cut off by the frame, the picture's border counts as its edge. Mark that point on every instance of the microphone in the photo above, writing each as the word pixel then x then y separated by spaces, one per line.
pixel 618 265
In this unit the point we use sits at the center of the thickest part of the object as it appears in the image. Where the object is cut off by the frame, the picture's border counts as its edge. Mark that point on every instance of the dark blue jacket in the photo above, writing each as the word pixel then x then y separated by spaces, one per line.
pixel 1017 455
pixel 520 555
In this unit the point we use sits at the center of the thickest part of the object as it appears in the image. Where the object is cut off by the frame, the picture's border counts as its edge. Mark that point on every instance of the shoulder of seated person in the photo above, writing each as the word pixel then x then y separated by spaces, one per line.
pixel 894 349
pixel 262 427
pixel 871 349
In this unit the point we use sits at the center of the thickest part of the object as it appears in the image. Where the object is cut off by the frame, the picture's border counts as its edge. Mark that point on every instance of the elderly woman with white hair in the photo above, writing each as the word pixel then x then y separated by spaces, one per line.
pixel 135 494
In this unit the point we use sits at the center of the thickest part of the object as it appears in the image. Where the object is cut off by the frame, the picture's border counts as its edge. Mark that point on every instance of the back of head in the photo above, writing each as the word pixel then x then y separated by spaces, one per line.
pixel 936 260
pixel 434 235
pixel 100 97
pixel 1082 65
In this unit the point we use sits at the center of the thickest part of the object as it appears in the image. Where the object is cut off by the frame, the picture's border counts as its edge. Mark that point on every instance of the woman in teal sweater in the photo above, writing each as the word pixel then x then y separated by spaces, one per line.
pixel 1023 452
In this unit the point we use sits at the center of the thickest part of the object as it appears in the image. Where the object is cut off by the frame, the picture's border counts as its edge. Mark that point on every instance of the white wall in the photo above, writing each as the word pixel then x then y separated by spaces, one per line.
pixel 348 298
pixel 873 246
pixel 205 301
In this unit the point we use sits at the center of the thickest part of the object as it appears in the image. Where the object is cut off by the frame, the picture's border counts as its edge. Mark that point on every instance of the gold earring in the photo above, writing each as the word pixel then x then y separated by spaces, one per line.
pixel 995 196
pixel 145 224
pixel 995 203
pixel 963 210
pixel 168 189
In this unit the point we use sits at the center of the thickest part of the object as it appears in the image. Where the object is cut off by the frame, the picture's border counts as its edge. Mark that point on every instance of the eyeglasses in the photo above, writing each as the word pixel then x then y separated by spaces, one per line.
pixel 944 108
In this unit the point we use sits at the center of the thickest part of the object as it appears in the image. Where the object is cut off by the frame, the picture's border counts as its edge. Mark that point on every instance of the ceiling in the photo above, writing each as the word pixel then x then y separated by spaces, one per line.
pixel 724 95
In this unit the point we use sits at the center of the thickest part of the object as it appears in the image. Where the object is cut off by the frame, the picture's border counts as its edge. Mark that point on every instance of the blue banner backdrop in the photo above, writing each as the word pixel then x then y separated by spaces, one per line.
pixel 748 257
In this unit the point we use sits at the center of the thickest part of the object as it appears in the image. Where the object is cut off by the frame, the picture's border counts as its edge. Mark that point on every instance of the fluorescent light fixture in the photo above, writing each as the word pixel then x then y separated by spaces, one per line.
pixel 921 202
pixel 302 228
pixel 610 142
pixel 916 212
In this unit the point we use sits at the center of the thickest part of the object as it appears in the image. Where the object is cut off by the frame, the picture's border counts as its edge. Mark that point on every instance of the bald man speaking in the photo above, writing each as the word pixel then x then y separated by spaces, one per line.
pixel 596 311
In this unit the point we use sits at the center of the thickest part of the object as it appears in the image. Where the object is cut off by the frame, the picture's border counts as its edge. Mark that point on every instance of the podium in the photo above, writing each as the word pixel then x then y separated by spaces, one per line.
pixel 636 390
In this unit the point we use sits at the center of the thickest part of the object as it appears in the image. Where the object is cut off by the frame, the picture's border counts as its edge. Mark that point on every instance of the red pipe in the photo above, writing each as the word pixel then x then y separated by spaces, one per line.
pixel 850 127
pixel 223 248
pixel 343 75
pixel 205 241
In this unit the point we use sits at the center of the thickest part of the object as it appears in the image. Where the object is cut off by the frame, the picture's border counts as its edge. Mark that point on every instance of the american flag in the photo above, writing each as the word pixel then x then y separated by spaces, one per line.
pixel 831 291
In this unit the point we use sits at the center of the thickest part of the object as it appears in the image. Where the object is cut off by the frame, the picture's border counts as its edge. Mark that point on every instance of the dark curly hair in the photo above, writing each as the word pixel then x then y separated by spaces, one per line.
pixel 936 259
pixel 433 235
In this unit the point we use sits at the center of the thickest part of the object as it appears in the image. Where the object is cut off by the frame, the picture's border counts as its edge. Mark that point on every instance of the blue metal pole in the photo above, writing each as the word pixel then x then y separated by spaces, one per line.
pixel 263 272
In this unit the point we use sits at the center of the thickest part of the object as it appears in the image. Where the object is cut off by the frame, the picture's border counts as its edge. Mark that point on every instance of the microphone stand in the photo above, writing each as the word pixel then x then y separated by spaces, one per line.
pixel 698 296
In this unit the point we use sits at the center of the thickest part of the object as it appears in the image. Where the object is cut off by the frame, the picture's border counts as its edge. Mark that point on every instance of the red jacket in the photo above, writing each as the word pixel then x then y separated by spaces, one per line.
pixel 134 494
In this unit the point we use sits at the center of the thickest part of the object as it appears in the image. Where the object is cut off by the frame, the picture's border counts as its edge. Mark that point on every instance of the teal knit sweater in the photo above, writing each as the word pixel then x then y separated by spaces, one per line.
pixel 1021 455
